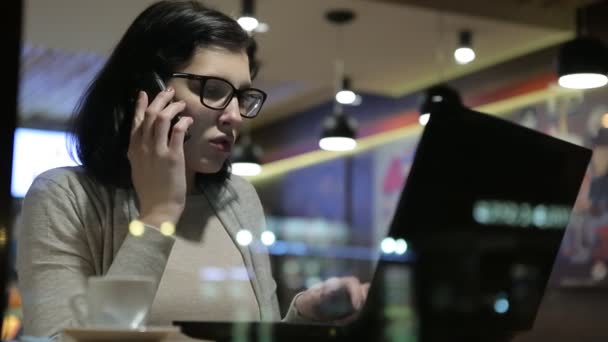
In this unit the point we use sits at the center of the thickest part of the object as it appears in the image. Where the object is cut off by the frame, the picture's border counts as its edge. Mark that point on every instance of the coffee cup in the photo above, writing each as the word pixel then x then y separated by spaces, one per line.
pixel 114 302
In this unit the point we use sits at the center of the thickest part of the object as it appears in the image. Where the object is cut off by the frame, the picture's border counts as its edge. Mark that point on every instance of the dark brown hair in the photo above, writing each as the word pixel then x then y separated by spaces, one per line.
pixel 162 38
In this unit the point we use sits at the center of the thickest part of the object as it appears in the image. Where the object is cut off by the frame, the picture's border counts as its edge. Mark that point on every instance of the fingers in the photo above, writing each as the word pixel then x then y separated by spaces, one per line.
pixel 335 299
pixel 353 286
pixel 178 133
pixel 153 121
pixel 161 100
pixel 162 124
pixel 136 128
pixel 152 112
pixel 140 110
pixel 364 291
pixel 331 284
pixel 356 291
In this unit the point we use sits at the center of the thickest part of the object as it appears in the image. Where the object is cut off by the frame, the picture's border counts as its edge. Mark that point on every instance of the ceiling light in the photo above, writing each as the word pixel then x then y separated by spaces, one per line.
pixel 346 95
pixel 424 118
pixel 338 133
pixel 248 23
pixel 247 20
pixel 437 99
pixel 582 63
pixel 246 158
pixel 246 169
pixel 338 129
pixel 337 144
pixel 464 54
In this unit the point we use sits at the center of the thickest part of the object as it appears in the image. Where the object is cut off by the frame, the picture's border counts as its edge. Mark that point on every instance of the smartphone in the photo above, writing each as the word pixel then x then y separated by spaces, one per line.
pixel 153 84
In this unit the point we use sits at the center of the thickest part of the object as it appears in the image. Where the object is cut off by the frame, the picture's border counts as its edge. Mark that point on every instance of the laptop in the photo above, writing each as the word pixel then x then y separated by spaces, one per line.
pixel 484 209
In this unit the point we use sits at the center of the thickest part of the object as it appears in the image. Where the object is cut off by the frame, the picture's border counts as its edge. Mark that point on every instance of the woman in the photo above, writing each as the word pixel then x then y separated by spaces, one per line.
pixel 137 168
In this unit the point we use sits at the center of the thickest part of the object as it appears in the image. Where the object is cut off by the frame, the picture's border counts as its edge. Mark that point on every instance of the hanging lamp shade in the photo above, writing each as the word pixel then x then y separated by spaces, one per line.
pixel 339 130
pixel 246 159
pixel 582 63
pixel 247 20
pixel 437 99
pixel 464 54
pixel 346 95
pixel 339 133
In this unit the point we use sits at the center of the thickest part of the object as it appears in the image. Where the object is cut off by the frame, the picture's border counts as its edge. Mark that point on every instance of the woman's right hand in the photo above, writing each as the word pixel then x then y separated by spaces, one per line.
pixel 157 162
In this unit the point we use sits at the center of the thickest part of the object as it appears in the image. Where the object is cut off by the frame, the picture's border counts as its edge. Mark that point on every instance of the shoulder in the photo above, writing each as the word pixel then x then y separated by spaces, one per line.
pixel 61 177
pixel 70 194
pixel 55 195
pixel 65 180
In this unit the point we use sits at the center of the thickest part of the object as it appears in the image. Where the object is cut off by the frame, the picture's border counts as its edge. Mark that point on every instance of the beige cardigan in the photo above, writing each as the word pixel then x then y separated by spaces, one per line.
pixel 71 228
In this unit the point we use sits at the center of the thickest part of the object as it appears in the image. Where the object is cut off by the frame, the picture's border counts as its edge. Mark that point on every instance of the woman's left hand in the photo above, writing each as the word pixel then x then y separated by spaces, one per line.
pixel 334 300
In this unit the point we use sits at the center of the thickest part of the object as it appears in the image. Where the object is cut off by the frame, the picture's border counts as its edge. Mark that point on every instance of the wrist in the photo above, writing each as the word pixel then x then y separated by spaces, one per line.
pixel 156 219
pixel 158 215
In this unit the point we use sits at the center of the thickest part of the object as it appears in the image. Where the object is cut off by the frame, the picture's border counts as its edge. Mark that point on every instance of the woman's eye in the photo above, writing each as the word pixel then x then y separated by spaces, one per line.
pixel 213 92
pixel 195 87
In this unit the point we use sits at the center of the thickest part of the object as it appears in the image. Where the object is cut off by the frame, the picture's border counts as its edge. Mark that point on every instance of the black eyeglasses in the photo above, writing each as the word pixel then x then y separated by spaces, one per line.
pixel 216 93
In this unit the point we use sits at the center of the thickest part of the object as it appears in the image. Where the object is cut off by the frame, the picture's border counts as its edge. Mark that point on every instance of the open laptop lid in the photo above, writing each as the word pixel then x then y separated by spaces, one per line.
pixel 484 207
pixel 467 160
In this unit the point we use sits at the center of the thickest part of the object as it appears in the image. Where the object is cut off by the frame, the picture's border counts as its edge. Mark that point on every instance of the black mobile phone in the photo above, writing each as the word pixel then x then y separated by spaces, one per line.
pixel 153 84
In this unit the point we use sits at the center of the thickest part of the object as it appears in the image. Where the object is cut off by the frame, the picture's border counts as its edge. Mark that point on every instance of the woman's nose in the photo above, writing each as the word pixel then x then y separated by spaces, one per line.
pixel 231 114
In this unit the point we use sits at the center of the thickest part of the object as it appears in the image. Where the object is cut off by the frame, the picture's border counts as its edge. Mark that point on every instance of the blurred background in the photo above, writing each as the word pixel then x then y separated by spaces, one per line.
pixel 327 211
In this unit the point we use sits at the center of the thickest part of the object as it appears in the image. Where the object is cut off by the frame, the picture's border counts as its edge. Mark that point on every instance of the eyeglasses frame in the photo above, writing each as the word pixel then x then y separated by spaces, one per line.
pixel 235 92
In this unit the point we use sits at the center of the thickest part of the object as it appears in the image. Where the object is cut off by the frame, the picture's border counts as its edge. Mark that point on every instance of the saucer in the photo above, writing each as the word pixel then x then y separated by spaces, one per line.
pixel 92 334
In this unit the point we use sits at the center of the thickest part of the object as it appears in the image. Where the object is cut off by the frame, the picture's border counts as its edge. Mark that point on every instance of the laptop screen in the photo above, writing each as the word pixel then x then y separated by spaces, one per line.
pixel 484 209
pixel 476 171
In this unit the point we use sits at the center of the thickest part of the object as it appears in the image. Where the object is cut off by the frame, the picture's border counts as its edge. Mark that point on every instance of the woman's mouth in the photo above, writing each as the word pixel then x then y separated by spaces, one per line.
pixel 222 144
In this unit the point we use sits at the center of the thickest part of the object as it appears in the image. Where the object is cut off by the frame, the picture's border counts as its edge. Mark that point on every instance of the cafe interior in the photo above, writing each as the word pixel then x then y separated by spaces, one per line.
pixel 350 87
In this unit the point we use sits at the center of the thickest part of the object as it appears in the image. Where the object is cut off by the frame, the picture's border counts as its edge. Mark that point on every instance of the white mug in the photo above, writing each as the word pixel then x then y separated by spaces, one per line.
pixel 114 302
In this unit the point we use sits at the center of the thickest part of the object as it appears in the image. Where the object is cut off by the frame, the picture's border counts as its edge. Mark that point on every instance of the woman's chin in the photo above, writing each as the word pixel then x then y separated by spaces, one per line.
pixel 208 168
pixel 206 164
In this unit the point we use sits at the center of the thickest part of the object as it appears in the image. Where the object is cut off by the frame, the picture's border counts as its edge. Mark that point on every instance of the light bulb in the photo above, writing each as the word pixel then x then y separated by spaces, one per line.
pixel 248 23
pixel 424 119
pixel 246 169
pixel 346 97
pixel 583 81
pixel 464 55
pixel 337 144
